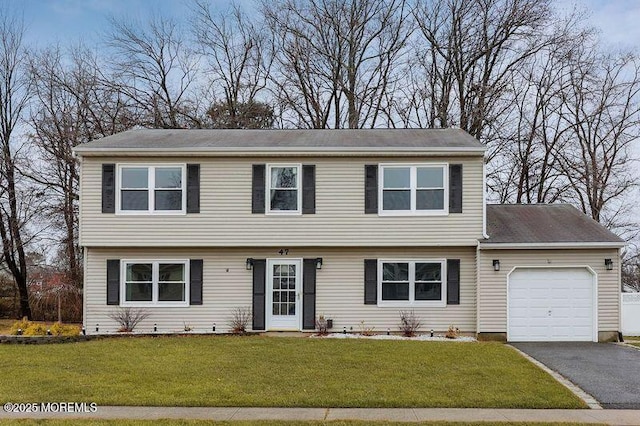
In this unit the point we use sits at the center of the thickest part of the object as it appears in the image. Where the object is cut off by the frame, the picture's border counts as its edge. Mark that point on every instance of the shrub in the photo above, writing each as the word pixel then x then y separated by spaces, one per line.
pixel 240 318
pixel 128 318
pixel 409 323
pixel 452 332
pixel 58 329
pixel 322 325
pixel 366 331
pixel 23 324
pixel 36 329
pixel 30 328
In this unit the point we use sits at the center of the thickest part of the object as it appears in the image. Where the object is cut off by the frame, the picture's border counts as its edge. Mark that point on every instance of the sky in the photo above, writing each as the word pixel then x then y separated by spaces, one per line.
pixel 69 21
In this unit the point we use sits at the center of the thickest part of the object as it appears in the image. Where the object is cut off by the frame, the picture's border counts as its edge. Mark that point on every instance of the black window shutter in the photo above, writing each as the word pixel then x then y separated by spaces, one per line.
pixel 370 281
pixel 455 188
pixel 108 188
pixel 453 281
pixel 259 281
pixel 193 188
pixel 308 189
pixel 309 294
pixel 113 281
pixel 257 188
pixel 195 281
pixel 371 188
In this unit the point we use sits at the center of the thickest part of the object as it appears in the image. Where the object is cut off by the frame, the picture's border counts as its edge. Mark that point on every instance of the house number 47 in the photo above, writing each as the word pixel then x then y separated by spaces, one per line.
pixel 284 252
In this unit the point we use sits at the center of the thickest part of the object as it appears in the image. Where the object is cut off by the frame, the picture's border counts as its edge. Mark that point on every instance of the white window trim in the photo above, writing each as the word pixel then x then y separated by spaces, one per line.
pixel 412 302
pixel 267 198
pixel 154 285
pixel 151 189
pixel 413 187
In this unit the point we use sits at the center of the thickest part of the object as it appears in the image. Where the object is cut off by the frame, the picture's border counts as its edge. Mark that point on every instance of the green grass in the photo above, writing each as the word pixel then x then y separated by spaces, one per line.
pixel 277 372
pixel 261 423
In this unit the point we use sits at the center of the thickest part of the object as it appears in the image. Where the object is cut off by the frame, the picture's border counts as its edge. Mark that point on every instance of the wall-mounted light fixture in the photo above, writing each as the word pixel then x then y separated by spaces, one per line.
pixel 496 265
pixel 319 263
pixel 608 264
pixel 249 264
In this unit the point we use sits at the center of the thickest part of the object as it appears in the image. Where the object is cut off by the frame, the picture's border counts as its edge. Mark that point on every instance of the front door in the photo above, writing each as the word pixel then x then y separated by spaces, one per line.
pixel 284 282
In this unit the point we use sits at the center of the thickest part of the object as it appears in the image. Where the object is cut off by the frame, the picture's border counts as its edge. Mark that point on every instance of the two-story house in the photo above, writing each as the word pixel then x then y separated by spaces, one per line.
pixel 354 225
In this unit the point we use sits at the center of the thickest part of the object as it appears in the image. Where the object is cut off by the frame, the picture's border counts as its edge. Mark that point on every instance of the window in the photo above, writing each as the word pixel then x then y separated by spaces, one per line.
pixel 152 189
pixel 148 283
pixel 283 189
pixel 419 282
pixel 413 189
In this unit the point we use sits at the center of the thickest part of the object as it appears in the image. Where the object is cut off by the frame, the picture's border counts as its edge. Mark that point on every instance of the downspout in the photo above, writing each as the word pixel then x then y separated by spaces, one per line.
pixel 484 200
pixel 477 289
pixel 485 236
pixel 85 257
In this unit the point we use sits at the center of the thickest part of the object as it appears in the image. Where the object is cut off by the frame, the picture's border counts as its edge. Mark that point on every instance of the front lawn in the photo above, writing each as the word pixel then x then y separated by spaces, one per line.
pixel 277 372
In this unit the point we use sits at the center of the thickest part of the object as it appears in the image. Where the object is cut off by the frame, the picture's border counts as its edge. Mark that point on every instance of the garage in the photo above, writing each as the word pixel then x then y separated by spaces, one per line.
pixel 551 304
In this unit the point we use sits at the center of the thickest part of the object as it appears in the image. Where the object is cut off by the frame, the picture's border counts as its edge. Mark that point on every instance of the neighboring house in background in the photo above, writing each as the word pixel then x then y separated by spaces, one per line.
pixel 355 225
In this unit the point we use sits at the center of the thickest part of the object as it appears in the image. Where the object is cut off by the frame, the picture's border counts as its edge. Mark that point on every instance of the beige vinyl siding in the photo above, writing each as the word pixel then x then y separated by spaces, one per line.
pixel 227 284
pixel 225 217
pixel 492 302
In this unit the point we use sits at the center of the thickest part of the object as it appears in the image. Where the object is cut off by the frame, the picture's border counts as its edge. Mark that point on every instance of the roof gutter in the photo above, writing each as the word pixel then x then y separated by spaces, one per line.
pixel 555 245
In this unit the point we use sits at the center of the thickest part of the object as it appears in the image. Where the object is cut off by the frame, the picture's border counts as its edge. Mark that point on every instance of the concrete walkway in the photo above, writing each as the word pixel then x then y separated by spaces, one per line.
pixel 617 417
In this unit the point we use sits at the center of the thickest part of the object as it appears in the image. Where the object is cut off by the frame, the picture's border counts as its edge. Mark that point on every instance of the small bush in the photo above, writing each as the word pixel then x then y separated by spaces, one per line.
pixel 322 325
pixel 36 329
pixel 128 318
pixel 409 323
pixel 240 319
pixel 58 329
pixel 366 331
pixel 452 332
pixel 23 324
pixel 30 328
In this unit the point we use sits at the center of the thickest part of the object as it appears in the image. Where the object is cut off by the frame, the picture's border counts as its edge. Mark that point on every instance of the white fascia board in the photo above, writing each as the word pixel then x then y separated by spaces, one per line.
pixel 542 246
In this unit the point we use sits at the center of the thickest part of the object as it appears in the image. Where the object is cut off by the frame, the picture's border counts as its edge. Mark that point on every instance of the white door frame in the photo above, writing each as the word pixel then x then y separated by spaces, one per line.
pixel 297 320
pixel 594 289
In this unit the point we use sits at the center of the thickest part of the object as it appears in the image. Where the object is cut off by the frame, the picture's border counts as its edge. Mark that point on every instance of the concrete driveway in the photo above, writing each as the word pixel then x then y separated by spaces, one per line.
pixel 609 372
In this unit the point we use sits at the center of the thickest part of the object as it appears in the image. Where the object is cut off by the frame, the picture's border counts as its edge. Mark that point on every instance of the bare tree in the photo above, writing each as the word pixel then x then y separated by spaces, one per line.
pixel 239 57
pixel 338 59
pixel 470 50
pixel 603 113
pixel 14 205
pixel 73 104
pixel 155 69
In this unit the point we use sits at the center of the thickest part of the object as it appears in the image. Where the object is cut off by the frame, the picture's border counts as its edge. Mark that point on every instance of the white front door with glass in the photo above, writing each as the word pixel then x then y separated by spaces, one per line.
pixel 284 282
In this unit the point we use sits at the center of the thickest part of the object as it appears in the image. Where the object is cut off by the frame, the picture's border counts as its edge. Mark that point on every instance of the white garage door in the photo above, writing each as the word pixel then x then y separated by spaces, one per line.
pixel 551 304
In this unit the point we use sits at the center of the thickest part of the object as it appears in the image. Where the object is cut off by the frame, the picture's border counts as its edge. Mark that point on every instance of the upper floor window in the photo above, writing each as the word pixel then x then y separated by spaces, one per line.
pixel 413 189
pixel 149 283
pixel 284 194
pixel 408 282
pixel 152 189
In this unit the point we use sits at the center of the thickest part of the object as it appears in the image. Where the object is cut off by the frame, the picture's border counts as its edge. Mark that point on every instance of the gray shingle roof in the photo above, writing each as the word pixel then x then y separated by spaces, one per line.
pixel 310 140
pixel 544 223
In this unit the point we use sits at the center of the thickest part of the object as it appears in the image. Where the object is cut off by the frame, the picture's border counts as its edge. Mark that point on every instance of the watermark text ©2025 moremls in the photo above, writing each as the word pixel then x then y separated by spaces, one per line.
pixel 50 407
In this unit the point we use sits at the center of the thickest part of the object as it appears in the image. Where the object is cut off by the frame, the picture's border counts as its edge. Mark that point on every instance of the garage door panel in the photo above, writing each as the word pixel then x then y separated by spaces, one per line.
pixel 551 304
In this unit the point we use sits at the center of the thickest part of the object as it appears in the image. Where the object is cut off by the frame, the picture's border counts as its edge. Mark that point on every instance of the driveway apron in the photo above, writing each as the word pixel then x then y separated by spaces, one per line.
pixel 607 371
